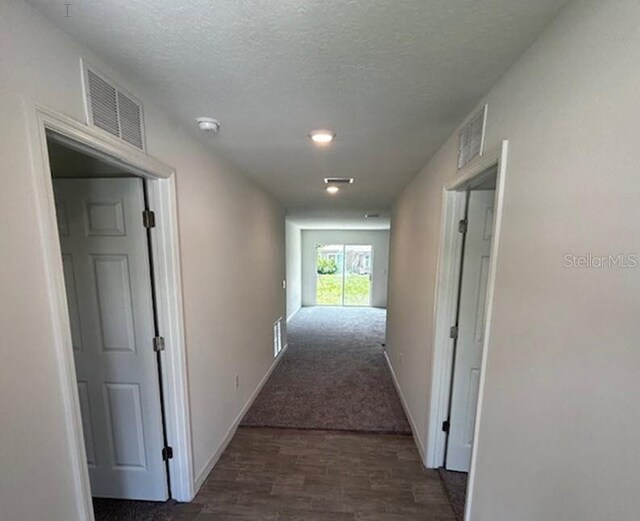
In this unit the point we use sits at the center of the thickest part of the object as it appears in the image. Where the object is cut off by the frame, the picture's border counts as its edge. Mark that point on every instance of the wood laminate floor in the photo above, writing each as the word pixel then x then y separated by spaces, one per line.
pixel 291 475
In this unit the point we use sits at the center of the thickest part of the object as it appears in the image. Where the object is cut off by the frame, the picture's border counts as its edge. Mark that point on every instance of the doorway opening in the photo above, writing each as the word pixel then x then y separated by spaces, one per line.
pixel 115 295
pixel 467 333
pixel 343 274
pixel 104 224
pixel 472 216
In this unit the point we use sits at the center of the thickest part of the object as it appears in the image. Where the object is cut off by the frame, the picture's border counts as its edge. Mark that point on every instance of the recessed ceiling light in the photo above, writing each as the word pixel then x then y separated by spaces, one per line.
pixel 208 125
pixel 322 137
pixel 371 215
pixel 333 189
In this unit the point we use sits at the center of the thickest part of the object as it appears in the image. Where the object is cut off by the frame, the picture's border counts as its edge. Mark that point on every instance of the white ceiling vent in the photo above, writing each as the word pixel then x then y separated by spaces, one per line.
pixel 338 180
pixel 471 138
pixel 112 109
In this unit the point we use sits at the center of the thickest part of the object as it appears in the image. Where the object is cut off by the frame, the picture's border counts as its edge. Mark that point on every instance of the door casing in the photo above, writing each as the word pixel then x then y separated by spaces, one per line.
pixel 448 277
pixel 166 264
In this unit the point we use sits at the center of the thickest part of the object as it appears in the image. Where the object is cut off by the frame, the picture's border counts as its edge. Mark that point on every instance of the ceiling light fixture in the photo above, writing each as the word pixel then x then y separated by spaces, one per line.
pixel 208 125
pixel 322 137
pixel 333 189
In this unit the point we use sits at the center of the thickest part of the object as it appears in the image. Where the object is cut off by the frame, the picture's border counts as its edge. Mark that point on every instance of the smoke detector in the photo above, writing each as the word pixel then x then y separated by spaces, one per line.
pixel 208 125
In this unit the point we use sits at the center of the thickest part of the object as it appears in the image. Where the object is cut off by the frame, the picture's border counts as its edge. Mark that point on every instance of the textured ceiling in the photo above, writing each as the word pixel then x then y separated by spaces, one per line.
pixel 393 78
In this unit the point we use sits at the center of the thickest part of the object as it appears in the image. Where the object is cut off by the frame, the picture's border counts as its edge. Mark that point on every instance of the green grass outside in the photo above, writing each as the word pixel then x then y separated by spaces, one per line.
pixel 329 290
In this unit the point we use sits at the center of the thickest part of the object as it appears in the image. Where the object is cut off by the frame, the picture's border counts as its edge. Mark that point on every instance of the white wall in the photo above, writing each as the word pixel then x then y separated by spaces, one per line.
pixel 379 239
pixel 560 422
pixel 293 235
pixel 230 300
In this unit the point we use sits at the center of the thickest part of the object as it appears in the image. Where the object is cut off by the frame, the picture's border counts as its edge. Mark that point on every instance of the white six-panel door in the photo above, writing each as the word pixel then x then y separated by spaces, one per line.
pixel 108 282
pixel 471 322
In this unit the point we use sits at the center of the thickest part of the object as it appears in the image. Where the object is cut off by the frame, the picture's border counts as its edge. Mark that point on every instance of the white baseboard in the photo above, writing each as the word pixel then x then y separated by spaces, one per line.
pixel 202 475
pixel 293 314
pixel 417 440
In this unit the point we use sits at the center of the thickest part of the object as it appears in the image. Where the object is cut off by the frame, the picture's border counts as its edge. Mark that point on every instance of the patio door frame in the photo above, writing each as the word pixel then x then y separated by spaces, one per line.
pixel 166 264
pixel 344 256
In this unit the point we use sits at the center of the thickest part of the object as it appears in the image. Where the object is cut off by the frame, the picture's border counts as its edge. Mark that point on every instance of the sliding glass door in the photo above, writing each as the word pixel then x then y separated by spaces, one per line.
pixel 343 275
pixel 357 276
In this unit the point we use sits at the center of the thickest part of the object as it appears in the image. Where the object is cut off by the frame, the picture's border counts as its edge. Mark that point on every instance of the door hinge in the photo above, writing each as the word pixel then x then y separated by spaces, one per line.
pixel 149 219
pixel 463 225
pixel 167 453
pixel 445 426
pixel 158 343
pixel 453 332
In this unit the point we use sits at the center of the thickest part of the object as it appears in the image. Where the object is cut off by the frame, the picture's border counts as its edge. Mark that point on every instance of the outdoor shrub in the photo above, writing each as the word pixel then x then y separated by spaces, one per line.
pixel 327 266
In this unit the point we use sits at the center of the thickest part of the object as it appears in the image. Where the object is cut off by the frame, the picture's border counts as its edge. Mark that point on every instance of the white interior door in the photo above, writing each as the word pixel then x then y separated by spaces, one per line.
pixel 108 282
pixel 471 321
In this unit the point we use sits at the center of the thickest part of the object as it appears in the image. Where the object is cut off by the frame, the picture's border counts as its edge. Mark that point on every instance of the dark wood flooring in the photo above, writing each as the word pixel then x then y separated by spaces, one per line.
pixel 296 475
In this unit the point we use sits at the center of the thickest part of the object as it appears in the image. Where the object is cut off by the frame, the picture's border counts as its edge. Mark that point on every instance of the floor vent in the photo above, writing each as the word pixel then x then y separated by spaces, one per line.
pixel 113 110
pixel 277 337
pixel 471 138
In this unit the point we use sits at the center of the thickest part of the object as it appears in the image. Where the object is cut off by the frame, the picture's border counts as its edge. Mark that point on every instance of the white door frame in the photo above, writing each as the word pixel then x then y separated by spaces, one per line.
pixel 166 264
pixel 448 278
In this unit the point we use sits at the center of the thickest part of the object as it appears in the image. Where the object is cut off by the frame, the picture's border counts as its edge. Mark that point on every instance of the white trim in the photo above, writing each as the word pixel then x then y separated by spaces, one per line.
pixel 208 467
pixel 167 270
pixel 56 291
pixel 493 270
pixel 446 294
pixel 100 143
pixel 293 314
pixel 476 166
pixel 166 258
pixel 407 411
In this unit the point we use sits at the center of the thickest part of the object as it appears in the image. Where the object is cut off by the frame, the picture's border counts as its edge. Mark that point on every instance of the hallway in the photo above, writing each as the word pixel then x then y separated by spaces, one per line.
pixel 333 376
pixel 289 459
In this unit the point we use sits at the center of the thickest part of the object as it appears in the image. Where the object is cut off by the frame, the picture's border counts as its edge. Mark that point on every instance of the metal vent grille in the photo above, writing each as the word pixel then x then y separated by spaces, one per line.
pixel 338 180
pixel 130 120
pixel 471 138
pixel 104 104
pixel 113 110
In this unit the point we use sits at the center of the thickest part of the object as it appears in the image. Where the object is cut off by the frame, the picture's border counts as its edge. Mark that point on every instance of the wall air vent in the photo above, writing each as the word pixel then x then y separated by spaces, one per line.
pixel 112 109
pixel 338 180
pixel 471 138
pixel 277 337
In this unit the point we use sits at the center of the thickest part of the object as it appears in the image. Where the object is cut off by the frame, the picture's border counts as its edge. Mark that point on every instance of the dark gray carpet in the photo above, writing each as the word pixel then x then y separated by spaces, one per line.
pixel 333 376
pixel 455 483
pixel 123 510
